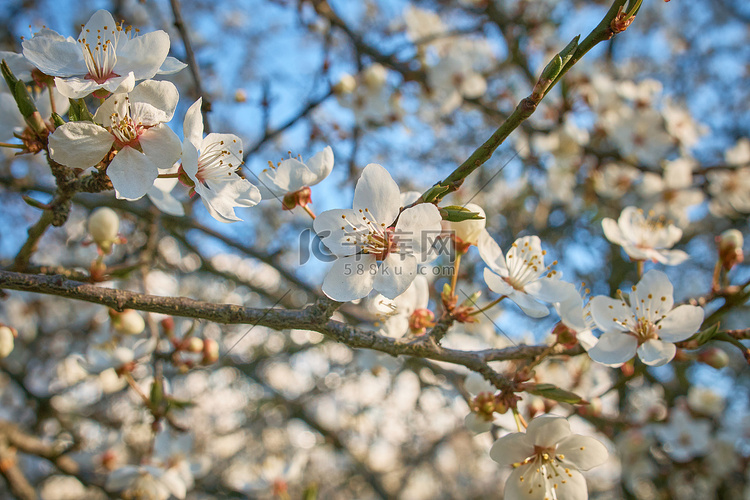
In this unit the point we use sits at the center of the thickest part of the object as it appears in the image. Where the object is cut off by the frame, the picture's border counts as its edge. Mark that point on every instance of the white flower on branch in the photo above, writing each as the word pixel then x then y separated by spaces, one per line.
pixel 371 252
pixel 407 312
pixel 291 179
pixel 647 325
pixel 106 56
pixel 146 481
pixel 211 163
pixel 522 276
pixel 645 238
pixel 684 438
pixel 134 125
pixel 547 460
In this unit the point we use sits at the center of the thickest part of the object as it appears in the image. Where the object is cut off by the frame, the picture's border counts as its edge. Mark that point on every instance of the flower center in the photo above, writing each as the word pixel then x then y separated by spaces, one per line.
pixel 372 238
pixel 547 468
pixel 99 53
pixel 525 265
pixel 216 163
pixel 125 129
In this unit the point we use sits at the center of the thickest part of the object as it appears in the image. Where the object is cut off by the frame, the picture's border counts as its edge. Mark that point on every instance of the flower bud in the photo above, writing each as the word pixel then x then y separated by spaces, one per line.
pixel 103 226
pixel 466 232
pixel 565 336
pixel 730 244
pixel 195 344
pixel 240 95
pixel 210 351
pixel 345 85
pixel 6 341
pixel 128 322
pixel 301 198
pixel 375 76
pixel 714 357
pixel 420 320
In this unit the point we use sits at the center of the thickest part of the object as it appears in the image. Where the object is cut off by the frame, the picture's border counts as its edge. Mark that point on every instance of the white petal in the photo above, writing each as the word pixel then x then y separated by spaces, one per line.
pixel 328 226
pixel 551 290
pixel 192 127
pixel 421 292
pixel 609 314
pixel 548 431
pixel 653 296
pixel 491 254
pixel 292 175
pixel 377 192
pixel 122 84
pixel 614 349
pixel 655 352
pixel 350 278
pixel 122 477
pixel 161 145
pixel 176 486
pixel 612 231
pixel 171 66
pixel 221 198
pixel 512 448
pixel 476 384
pixel 75 88
pixel 673 257
pixel 497 284
pixel 161 99
pixel 55 56
pixel 582 452
pixel 321 164
pixel 80 144
pixel 680 323
pixel 571 312
pixel 161 196
pixel 528 304
pixel 419 226
pixel 132 173
pixel 143 55
pixel 395 274
pixel 476 424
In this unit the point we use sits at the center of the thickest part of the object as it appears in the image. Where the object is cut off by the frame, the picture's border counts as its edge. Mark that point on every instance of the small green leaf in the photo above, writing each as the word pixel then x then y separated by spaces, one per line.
pixel 10 78
pixel 179 404
pixel 57 120
pixel 79 112
pixel 455 213
pixel 23 99
pixel 566 53
pixel 707 334
pixel 551 391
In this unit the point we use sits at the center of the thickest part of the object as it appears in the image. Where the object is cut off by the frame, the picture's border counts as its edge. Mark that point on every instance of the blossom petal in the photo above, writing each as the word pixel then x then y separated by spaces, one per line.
pixel 528 304
pixel 582 452
pixel 160 195
pixel 132 173
pixel 377 192
pixel 491 253
pixel 333 229
pixel 54 55
pixel 548 431
pixel 610 314
pixel 143 55
pixel 551 290
pixel 496 283
pixel 652 297
pixel 221 198
pixel 161 145
pixel 680 323
pixel 79 144
pixel 476 424
pixel 291 175
pixel 395 274
pixel 171 66
pixel 614 349
pixel 192 127
pixel 656 353
pixel 673 257
pixel 512 448
pixel 421 292
pixel 321 164
pixel 612 231
pixel 154 102
pixel 344 281
pixel 75 88
pixel 419 227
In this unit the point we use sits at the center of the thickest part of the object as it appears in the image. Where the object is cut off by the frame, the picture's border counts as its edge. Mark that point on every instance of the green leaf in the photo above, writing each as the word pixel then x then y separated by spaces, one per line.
pixel 10 78
pixel 311 492
pixel 23 99
pixel 179 403
pixel 79 112
pixel 455 213
pixel 57 120
pixel 551 391
pixel 707 334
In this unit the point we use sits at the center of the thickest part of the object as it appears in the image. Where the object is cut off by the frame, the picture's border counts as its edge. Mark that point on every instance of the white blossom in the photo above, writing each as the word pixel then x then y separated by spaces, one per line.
pixel 648 325
pixel 106 56
pixel 211 163
pixel 146 482
pixel 371 252
pixel 547 461
pixel 683 437
pixel 645 238
pixel 292 174
pixel 406 312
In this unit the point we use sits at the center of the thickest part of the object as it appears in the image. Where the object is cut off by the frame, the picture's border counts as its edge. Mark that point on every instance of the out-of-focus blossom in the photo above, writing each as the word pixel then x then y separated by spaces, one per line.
pixel 683 437
pixel 7 341
pixel 547 460
pixel 106 56
pixel 371 252
pixel 705 401
pixel 522 275
pixel 457 75
pixel 108 355
pixel 103 226
pixel 479 387
pixel 681 124
pixel 211 163
pixel 673 193
pixel 371 100
pixel 614 180
pixel 645 238
pixel 146 482
pixel 647 325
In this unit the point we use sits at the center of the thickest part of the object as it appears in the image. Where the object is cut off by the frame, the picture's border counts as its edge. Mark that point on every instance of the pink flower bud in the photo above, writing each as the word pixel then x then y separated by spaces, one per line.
pixel 714 357
pixel 210 351
pixel 730 244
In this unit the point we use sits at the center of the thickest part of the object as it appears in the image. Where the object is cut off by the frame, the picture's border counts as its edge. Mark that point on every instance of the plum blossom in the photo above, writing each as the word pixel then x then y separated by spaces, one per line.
pixel 645 238
pixel 146 481
pixel 106 56
pixel 161 195
pixel 134 124
pixel 684 438
pixel 407 312
pixel 480 390
pixel 521 275
pixel 118 357
pixel 577 320
pixel 371 252
pixel 291 179
pixel 457 75
pixel 372 101
pixel 211 164
pixel 673 193
pixel 547 460
pixel 648 325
